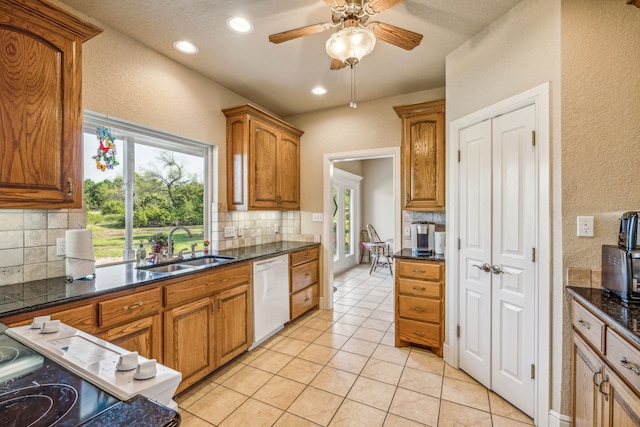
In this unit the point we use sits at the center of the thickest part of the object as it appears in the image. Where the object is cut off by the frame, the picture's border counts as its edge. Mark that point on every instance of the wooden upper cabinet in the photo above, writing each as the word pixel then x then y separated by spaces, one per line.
pixel 41 108
pixel 423 155
pixel 263 161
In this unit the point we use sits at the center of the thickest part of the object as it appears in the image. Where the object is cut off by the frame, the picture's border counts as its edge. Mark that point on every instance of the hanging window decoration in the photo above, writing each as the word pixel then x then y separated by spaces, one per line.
pixel 106 156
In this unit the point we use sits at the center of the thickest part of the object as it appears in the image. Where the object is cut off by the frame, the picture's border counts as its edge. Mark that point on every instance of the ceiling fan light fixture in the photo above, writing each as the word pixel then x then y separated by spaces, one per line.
pixel 185 47
pixel 239 24
pixel 350 45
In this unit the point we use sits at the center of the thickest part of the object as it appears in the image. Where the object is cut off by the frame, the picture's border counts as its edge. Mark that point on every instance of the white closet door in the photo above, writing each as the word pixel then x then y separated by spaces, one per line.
pixel 475 251
pixel 514 210
pixel 497 236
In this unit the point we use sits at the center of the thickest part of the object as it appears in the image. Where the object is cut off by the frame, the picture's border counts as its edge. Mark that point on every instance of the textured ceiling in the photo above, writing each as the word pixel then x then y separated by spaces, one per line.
pixel 280 77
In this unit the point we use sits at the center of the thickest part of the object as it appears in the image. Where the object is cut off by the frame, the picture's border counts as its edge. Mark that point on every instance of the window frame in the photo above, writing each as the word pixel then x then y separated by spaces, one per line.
pixel 132 134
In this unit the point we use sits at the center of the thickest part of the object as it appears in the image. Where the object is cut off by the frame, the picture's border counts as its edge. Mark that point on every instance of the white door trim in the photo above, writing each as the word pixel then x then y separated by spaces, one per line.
pixel 326 303
pixel 344 177
pixel 539 96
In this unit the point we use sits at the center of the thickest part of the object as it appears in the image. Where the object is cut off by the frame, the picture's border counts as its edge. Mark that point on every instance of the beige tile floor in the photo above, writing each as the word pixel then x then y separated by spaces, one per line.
pixel 340 368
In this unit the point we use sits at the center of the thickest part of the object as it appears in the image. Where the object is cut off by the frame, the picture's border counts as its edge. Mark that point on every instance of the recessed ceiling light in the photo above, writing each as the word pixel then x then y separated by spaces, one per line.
pixel 185 47
pixel 239 25
pixel 318 90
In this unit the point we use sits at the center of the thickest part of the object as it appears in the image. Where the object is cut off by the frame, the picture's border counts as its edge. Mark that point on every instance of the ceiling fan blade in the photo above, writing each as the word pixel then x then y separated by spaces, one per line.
pixel 334 4
pixel 336 64
pixel 395 35
pixel 379 5
pixel 285 36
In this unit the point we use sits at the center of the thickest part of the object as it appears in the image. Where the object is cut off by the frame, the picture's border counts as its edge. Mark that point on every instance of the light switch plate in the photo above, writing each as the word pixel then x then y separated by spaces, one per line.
pixel 585 226
pixel 229 232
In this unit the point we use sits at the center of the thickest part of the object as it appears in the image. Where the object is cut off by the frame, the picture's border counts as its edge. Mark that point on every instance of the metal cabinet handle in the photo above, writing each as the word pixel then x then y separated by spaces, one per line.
pixel 484 267
pixel 418 271
pixel 133 306
pixel 419 288
pixel 419 309
pixel 595 374
pixel 70 185
pixel 406 199
pixel 633 368
pixel 606 395
pixel 585 324
pixel 418 333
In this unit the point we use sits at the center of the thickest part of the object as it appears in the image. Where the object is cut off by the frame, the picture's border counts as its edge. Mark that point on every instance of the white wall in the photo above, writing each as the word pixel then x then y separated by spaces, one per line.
pixel 518 51
pixel 377 196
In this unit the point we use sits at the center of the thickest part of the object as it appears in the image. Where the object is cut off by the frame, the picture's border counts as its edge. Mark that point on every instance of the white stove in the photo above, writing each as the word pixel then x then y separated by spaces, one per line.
pixel 109 367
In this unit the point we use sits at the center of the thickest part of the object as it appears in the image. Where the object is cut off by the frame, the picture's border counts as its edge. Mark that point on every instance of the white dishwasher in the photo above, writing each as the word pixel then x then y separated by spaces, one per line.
pixel 270 297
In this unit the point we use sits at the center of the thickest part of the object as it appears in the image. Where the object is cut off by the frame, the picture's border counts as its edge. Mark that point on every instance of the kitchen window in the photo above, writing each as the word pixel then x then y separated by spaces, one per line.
pixel 155 181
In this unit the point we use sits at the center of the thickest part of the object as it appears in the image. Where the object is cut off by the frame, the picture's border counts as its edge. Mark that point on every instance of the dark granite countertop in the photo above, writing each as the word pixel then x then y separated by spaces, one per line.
pixel 408 254
pixel 624 320
pixel 39 294
pixel 137 411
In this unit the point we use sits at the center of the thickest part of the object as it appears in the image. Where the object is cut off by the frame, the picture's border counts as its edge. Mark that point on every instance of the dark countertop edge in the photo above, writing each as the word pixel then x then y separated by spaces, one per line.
pixel 408 254
pixel 586 296
pixel 243 254
pixel 138 411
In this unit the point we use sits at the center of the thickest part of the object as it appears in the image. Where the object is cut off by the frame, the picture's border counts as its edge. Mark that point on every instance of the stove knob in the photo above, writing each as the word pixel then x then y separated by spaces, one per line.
pixel 127 361
pixel 146 370
pixel 38 321
pixel 50 327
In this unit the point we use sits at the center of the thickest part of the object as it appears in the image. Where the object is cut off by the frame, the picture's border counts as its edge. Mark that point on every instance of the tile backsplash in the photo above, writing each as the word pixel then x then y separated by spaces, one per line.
pixel 28 242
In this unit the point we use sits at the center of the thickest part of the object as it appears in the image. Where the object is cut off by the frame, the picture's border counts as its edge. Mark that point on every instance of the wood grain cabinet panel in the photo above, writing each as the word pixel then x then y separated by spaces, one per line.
pixel 233 323
pixel 141 335
pixel 263 161
pixel 423 155
pixel 41 108
pixel 419 304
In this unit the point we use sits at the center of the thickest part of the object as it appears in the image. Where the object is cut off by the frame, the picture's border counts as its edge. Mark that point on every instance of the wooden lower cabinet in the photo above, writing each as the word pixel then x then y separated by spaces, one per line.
pixel 304 277
pixel 587 375
pixel 189 340
pixel 621 406
pixel 233 323
pixel 141 335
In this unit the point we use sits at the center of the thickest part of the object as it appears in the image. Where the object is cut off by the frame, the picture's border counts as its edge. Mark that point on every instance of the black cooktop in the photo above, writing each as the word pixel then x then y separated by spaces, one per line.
pixel 36 391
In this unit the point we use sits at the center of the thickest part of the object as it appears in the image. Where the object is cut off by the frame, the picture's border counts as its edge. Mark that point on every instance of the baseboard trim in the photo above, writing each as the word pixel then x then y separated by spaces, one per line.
pixel 556 419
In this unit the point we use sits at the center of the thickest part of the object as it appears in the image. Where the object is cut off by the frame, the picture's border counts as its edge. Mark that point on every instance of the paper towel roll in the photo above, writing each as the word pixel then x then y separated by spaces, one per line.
pixel 79 260
pixel 439 244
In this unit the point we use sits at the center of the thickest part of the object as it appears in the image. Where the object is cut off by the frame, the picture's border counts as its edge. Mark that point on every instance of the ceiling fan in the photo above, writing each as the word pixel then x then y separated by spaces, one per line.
pixel 352 16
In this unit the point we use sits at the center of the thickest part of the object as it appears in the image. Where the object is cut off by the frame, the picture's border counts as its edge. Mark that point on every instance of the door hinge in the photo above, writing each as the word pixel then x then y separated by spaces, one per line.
pixel 459 244
pixel 458 331
pixel 459 155
pixel 533 254
pixel 533 371
pixel 533 138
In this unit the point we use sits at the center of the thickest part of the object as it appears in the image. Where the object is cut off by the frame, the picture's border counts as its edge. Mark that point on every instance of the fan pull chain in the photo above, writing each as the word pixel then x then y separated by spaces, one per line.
pixel 353 104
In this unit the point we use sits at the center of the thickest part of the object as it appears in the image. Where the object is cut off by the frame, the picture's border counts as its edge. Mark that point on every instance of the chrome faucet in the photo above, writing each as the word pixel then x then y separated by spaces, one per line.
pixel 170 239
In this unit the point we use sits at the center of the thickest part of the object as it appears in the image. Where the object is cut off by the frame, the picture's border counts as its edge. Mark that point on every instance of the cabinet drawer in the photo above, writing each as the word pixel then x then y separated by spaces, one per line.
pixel 419 270
pixel 304 275
pixel 128 307
pixel 304 300
pixel 419 288
pixel 419 332
pixel 207 283
pixel 588 325
pixel 423 309
pixel 303 256
pixel 624 357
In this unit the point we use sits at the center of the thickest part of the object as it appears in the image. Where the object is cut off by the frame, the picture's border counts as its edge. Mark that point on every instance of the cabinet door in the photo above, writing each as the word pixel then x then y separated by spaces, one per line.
pixel 263 159
pixel 142 335
pixel 233 323
pixel 41 108
pixel 621 405
pixel 188 340
pixel 587 375
pixel 423 162
pixel 288 170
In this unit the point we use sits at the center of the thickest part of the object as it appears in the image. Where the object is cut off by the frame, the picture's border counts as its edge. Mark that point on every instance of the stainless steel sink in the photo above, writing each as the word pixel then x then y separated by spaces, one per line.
pixel 167 268
pixel 207 260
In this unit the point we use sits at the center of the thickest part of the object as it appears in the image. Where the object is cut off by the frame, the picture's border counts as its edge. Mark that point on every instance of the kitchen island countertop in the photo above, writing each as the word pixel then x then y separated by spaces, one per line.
pixel 624 320
pixel 38 294
pixel 408 254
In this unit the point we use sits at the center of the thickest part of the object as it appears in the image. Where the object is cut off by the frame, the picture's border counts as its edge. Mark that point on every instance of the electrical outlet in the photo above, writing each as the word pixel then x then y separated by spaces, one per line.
pixel 240 231
pixel 61 246
pixel 317 217
pixel 407 231
pixel 229 232
pixel 276 228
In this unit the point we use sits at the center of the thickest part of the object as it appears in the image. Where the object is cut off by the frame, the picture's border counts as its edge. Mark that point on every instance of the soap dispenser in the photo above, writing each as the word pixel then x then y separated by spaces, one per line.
pixel 141 255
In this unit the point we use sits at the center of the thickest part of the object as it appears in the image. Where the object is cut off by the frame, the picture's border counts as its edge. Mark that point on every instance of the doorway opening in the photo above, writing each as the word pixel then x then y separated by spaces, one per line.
pixel 383 182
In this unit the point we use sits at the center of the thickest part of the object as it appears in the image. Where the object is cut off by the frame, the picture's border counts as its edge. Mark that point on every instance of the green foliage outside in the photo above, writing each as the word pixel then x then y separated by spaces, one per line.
pixel 162 199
